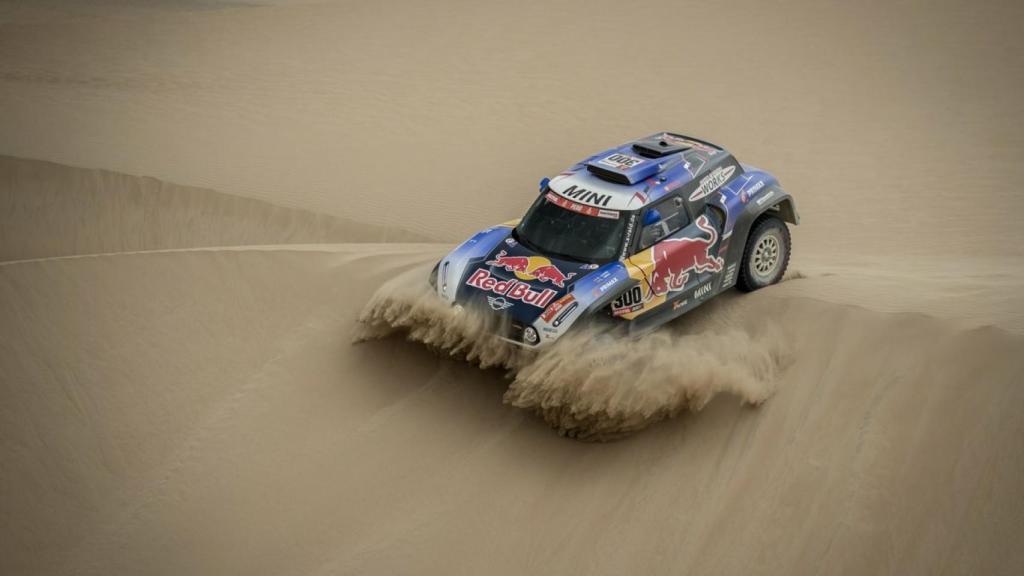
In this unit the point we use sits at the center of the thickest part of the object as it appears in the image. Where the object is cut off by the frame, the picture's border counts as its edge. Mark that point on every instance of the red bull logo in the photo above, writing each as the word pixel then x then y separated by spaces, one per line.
pixel 531 268
pixel 510 263
pixel 675 258
pixel 511 289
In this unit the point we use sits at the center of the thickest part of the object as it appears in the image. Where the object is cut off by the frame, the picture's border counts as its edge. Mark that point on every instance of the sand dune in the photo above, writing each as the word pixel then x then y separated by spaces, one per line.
pixel 388 110
pixel 188 382
pixel 266 442
pixel 53 210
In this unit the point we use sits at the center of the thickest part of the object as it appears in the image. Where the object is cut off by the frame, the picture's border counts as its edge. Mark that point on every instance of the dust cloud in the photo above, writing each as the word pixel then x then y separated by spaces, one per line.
pixel 594 383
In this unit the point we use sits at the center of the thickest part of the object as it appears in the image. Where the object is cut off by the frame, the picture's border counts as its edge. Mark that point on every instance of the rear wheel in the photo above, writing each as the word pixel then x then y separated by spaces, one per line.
pixel 765 256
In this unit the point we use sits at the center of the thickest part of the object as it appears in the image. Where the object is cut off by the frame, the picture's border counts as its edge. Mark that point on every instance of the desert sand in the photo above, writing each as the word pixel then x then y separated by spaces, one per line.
pixel 199 201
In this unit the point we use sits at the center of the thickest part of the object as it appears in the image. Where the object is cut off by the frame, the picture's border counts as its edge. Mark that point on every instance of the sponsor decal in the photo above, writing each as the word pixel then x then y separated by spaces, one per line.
pixel 584 196
pixel 746 195
pixel 676 305
pixel 498 303
pixel 765 198
pixel 712 182
pixel 621 161
pixel 511 289
pixel 510 241
pixel 629 234
pixel 531 268
pixel 602 277
pixel 607 285
pixel 555 308
pixel 702 290
pixel 672 260
pixel 730 273
pixel 581 208
pixel 629 301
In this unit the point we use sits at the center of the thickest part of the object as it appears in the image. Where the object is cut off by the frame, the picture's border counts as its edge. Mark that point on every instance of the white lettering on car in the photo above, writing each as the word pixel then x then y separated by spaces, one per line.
pixel 712 182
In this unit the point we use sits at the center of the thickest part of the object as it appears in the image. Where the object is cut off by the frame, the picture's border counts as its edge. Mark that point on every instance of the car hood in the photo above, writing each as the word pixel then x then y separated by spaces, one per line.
pixel 514 280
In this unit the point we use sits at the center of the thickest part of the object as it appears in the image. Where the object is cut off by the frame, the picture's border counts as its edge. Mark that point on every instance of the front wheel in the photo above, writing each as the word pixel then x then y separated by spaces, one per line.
pixel 765 256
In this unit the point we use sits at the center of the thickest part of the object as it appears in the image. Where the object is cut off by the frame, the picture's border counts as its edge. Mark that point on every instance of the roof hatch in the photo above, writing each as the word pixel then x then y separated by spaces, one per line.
pixel 659 147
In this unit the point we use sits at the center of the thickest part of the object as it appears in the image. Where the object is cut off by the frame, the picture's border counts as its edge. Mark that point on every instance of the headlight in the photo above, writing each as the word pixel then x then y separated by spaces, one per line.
pixel 530 335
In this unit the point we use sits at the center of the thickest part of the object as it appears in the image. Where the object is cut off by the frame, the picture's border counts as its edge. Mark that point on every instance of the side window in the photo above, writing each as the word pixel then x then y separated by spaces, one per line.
pixel 663 219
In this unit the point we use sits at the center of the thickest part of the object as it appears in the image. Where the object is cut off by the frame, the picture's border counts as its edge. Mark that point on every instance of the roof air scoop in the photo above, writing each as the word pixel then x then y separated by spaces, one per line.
pixel 658 147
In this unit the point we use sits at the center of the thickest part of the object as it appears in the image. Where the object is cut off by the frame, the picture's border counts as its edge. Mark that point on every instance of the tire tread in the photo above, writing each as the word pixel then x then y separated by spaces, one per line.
pixel 745 281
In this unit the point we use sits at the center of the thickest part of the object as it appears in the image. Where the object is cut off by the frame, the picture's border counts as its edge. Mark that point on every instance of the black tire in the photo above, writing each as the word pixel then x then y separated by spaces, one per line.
pixel 766 255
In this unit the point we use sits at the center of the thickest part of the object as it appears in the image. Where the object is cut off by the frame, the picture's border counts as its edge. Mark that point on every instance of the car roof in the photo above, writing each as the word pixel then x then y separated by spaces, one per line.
pixel 639 172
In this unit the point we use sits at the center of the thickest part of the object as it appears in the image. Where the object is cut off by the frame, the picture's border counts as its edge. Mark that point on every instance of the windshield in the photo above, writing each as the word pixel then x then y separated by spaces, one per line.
pixel 556 226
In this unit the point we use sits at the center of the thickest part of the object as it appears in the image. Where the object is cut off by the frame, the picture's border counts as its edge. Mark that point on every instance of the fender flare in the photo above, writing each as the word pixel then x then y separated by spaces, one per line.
pixel 786 207
pixel 452 269
pixel 605 300
pixel 598 300
pixel 781 204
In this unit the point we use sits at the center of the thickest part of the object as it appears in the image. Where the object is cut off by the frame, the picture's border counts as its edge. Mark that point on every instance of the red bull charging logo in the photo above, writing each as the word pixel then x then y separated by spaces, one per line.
pixel 672 260
pixel 531 268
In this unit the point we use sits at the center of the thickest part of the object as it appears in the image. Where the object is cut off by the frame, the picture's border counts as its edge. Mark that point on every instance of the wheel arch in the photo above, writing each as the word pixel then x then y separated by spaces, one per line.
pixel 780 205
pixel 786 208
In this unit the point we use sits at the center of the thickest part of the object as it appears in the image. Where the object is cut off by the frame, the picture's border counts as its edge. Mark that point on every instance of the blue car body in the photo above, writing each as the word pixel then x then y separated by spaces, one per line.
pixel 677 211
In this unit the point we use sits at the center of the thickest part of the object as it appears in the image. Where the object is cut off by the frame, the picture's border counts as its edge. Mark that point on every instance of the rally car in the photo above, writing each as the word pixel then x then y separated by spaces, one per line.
pixel 636 235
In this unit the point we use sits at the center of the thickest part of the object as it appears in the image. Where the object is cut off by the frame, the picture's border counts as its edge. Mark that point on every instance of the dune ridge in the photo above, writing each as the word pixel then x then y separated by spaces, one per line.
pixel 56 210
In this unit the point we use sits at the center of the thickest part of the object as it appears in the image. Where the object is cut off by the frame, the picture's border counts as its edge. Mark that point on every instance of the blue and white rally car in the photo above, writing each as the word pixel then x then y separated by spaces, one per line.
pixel 636 235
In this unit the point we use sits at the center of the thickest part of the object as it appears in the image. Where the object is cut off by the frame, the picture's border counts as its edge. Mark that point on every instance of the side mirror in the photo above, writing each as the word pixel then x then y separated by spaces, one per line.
pixel 652 216
pixel 544 183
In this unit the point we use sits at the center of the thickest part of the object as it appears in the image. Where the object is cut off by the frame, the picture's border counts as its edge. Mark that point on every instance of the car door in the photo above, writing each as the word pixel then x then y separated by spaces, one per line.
pixel 675 257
